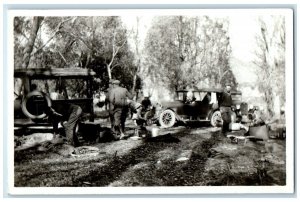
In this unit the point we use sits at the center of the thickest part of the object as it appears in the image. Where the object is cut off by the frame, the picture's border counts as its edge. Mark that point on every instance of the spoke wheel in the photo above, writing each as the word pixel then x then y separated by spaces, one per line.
pixel 167 118
pixel 216 119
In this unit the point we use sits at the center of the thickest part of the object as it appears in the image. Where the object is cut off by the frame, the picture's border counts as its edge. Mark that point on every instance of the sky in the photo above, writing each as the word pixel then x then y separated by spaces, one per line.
pixel 242 32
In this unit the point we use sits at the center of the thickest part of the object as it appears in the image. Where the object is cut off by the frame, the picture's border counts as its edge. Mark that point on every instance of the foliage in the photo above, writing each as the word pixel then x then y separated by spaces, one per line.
pixel 270 61
pixel 98 43
pixel 188 52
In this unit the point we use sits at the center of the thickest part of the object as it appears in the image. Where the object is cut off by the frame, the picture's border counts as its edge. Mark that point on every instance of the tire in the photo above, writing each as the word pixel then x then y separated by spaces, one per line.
pixel 216 119
pixel 167 118
pixel 149 115
pixel 24 105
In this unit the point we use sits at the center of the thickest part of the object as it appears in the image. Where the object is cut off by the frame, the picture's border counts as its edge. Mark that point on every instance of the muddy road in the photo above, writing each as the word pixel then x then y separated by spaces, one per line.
pixel 182 156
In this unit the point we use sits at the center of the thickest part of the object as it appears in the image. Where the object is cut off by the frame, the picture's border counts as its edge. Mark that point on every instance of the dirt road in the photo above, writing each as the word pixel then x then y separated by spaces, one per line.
pixel 180 157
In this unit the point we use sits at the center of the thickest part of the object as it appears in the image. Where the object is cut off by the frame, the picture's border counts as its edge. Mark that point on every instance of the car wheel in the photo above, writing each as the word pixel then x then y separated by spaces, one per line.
pixel 148 116
pixel 167 118
pixel 216 119
pixel 27 102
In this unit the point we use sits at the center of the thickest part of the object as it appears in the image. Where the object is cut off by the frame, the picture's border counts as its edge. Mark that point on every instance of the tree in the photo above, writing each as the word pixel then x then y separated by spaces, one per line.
pixel 96 42
pixel 137 54
pixel 270 61
pixel 36 22
pixel 104 44
pixel 188 52
pixel 27 50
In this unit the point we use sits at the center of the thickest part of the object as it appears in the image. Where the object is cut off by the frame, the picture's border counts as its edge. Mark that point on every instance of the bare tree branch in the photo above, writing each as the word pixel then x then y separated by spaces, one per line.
pixel 81 39
pixel 64 59
pixel 58 27
pixel 118 64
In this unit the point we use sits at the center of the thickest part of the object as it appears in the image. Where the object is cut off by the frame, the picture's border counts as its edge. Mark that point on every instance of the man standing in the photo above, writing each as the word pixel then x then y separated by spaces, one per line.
pixel 118 98
pixel 225 108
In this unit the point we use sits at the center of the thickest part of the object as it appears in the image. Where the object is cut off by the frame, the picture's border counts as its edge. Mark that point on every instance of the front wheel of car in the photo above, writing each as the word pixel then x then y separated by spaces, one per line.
pixel 167 118
pixel 216 119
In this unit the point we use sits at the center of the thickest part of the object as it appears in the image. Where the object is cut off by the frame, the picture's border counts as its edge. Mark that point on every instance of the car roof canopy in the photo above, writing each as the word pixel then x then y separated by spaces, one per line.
pixel 217 90
pixel 40 73
pixel 214 90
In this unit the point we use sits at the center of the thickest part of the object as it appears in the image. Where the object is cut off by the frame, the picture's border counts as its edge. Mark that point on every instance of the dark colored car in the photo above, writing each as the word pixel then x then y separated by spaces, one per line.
pixel 76 84
pixel 201 104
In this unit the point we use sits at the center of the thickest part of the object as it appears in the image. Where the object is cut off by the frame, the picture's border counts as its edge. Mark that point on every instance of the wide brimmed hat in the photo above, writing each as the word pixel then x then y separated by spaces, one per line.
pixel 116 82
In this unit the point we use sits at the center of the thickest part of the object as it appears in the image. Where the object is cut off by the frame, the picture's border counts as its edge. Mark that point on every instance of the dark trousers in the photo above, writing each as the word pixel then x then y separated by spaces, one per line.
pixel 111 118
pixel 111 114
pixel 70 126
pixel 226 116
pixel 119 116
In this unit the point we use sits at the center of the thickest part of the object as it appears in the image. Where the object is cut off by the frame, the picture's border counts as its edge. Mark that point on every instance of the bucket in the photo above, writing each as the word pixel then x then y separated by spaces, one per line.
pixel 234 126
pixel 155 132
pixel 260 132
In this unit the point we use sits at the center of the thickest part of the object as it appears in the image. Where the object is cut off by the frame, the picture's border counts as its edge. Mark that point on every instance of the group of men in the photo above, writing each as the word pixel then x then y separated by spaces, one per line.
pixel 119 101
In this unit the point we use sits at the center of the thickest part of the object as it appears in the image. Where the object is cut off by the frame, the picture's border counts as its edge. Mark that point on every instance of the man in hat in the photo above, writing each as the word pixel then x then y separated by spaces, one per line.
pixel 225 107
pixel 118 98
pixel 137 110
pixel 146 103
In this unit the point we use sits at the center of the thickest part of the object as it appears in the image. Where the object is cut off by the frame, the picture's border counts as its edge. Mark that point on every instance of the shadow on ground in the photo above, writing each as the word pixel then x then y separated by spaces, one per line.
pixel 144 164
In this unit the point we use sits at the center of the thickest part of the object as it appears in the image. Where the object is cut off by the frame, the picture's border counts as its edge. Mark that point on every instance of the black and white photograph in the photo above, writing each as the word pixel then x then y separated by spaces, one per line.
pixel 127 101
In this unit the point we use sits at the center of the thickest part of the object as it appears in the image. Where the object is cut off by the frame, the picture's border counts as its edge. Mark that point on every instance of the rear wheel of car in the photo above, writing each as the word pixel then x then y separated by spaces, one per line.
pixel 167 118
pixel 216 119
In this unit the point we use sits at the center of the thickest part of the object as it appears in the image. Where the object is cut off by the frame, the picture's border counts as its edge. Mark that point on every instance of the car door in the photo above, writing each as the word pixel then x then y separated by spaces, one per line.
pixel 193 109
pixel 202 104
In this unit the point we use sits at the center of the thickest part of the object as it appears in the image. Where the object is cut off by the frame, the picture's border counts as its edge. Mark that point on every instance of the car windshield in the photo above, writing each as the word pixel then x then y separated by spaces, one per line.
pixel 62 89
pixel 236 97
pixel 198 95
pixel 181 96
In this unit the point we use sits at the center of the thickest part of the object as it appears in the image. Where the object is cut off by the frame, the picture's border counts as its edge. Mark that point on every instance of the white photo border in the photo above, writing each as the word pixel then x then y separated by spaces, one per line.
pixel 8 121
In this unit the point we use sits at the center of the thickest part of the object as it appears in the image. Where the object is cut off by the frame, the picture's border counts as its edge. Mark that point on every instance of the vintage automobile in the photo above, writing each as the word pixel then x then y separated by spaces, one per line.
pixel 29 107
pixel 202 107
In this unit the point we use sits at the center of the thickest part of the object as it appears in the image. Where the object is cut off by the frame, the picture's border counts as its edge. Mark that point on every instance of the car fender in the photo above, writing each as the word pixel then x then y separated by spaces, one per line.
pixel 178 118
pixel 210 113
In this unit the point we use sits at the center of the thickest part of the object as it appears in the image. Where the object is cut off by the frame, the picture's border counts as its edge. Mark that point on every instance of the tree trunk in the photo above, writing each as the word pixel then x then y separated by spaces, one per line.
pixel 30 44
pixel 134 83
pixel 108 71
pixel 27 54
pixel 277 106
pixel 137 50
pixel 135 78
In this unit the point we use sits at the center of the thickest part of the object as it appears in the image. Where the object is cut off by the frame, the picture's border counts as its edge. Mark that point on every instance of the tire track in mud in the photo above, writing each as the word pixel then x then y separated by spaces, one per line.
pixel 170 173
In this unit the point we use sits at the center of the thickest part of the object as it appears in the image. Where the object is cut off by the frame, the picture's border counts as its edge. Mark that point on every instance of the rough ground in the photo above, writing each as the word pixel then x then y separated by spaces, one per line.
pixel 181 156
